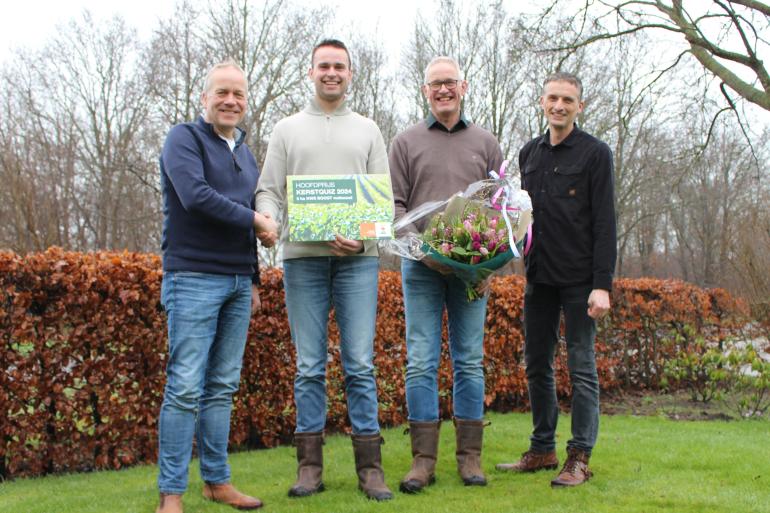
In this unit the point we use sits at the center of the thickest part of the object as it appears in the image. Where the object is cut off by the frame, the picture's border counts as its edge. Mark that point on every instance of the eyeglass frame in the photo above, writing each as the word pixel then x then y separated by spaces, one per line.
pixel 436 84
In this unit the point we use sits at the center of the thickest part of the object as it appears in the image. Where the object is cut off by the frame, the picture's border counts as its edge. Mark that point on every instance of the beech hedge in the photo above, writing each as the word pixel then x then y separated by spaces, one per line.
pixel 83 350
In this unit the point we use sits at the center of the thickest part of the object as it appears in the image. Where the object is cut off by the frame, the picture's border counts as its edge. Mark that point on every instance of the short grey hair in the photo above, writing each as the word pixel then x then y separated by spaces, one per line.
pixel 446 60
pixel 227 63
pixel 561 76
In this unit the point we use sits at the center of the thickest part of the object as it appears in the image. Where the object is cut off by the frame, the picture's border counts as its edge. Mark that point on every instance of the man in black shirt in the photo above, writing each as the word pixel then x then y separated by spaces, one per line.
pixel 569 176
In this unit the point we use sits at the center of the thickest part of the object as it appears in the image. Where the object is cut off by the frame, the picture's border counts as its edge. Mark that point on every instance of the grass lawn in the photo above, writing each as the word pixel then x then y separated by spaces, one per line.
pixel 641 464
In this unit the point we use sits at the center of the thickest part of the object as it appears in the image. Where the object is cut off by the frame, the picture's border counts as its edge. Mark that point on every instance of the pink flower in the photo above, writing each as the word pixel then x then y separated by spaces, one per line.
pixel 503 248
pixel 475 259
pixel 468 225
pixel 476 237
pixel 484 251
pixel 491 245
pixel 446 248
pixel 476 245
pixel 493 223
pixel 448 232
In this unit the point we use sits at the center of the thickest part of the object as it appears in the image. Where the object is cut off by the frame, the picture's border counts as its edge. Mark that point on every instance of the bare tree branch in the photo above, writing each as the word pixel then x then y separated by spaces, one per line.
pixel 639 15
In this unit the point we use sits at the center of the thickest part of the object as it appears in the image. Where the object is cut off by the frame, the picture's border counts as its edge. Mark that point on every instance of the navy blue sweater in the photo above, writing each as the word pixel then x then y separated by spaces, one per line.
pixel 208 202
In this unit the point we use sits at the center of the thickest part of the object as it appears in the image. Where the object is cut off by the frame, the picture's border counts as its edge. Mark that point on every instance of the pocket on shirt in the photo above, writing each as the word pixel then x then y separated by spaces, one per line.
pixel 567 181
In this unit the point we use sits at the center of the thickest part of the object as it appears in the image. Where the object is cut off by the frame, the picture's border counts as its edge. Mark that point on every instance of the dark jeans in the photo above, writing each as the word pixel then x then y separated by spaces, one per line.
pixel 542 307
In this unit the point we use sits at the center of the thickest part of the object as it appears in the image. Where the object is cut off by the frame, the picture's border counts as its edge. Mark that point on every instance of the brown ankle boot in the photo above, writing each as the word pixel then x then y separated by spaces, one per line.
pixel 469 435
pixel 169 503
pixel 227 494
pixel 309 464
pixel 531 461
pixel 424 437
pixel 371 478
pixel 575 471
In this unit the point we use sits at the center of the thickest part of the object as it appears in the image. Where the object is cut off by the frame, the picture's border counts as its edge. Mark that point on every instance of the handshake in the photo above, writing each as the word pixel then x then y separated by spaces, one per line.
pixel 266 229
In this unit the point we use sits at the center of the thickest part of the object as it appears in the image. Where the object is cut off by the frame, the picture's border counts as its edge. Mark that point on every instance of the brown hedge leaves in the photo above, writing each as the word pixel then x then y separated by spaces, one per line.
pixel 83 346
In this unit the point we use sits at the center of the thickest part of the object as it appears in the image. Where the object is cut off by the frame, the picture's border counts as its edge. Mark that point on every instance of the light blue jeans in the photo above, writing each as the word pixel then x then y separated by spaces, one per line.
pixel 312 286
pixel 426 293
pixel 208 319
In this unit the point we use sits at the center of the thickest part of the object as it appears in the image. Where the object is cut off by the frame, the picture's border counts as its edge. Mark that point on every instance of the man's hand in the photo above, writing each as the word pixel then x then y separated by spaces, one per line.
pixel 436 266
pixel 256 304
pixel 341 246
pixel 598 303
pixel 266 228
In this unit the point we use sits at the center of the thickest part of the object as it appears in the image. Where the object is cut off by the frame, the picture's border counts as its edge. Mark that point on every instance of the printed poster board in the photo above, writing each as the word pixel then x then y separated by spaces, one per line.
pixel 356 206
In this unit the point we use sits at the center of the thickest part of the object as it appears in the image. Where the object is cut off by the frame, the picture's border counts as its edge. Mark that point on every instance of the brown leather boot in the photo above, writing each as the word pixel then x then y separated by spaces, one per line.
pixel 575 471
pixel 469 435
pixel 227 494
pixel 169 503
pixel 531 461
pixel 309 464
pixel 371 478
pixel 424 437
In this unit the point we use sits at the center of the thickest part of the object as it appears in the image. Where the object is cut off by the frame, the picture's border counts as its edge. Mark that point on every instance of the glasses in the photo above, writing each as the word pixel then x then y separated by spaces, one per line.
pixel 449 84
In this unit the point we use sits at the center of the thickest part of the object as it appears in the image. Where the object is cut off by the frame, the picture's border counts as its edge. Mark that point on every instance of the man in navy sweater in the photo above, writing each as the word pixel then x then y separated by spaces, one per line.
pixel 210 278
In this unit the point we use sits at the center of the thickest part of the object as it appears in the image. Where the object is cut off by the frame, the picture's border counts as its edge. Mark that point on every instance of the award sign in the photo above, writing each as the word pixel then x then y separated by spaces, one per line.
pixel 358 207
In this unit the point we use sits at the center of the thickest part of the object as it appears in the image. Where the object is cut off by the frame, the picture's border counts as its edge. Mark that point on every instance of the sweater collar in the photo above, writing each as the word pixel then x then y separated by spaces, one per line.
pixel 240 134
pixel 314 109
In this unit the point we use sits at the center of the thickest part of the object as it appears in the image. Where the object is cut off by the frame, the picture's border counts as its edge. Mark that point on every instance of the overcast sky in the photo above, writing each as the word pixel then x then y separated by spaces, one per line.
pixel 30 23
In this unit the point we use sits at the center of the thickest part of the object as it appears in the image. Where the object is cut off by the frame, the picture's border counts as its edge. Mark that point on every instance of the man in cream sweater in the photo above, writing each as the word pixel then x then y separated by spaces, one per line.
pixel 328 138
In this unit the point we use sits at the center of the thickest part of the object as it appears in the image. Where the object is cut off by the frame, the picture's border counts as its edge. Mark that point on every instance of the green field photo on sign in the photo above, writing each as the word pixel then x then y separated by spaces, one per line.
pixel 357 206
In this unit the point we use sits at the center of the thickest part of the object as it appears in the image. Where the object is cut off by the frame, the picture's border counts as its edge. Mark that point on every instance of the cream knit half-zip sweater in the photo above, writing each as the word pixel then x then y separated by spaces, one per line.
pixel 313 142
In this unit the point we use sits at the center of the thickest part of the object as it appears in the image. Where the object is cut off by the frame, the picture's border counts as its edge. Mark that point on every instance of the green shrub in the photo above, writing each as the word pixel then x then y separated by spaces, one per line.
pixel 748 393
pixel 699 369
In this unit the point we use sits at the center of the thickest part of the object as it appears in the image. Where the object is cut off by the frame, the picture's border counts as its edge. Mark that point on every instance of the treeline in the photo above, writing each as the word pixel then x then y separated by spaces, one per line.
pixel 85 115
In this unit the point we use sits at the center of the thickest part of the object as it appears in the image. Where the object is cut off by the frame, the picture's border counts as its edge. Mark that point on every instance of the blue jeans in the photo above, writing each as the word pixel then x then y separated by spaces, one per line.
pixel 208 319
pixel 426 292
pixel 312 285
pixel 542 308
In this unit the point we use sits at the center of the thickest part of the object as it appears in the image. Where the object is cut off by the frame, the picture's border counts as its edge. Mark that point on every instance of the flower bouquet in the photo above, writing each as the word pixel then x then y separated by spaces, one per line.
pixel 471 244
pixel 476 233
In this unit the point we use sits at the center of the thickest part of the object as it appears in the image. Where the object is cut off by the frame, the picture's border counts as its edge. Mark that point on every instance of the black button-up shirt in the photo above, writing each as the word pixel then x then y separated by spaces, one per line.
pixel 574 232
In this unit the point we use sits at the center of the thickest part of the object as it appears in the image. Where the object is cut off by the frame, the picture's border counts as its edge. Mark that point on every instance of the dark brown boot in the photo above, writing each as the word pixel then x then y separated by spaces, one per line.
pixel 371 478
pixel 424 437
pixel 575 471
pixel 226 493
pixel 531 461
pixel 169 503
pixel 309 464
pixel 470 434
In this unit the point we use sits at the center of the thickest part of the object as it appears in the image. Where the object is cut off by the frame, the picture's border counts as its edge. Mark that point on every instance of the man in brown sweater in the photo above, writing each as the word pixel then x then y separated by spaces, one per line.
pixel 431 161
